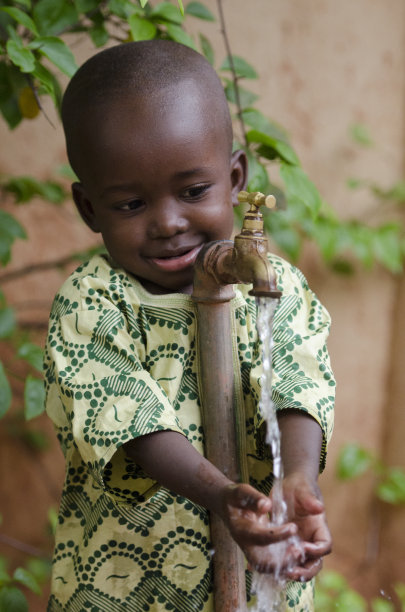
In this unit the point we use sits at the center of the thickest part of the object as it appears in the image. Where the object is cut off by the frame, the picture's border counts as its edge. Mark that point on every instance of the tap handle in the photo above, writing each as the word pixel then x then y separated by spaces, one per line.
pixel 256 199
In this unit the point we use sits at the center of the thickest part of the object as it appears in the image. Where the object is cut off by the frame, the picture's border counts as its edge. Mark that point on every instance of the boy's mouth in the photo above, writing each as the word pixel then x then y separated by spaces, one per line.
pixel 178 261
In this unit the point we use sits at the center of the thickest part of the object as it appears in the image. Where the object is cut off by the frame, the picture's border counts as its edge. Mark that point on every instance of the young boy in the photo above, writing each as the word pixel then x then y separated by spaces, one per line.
pixel 149 135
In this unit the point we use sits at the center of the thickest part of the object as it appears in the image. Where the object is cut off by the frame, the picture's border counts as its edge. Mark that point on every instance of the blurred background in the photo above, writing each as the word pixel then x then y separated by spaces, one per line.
pixel 330 75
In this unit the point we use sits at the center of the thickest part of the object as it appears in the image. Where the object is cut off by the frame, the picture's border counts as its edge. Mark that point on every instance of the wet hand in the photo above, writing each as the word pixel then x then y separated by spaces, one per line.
pixel 306 511
pixel 246 514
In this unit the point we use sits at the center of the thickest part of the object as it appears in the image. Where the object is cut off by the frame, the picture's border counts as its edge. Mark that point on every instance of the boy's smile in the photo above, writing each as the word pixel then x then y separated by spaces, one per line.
pixel 158 182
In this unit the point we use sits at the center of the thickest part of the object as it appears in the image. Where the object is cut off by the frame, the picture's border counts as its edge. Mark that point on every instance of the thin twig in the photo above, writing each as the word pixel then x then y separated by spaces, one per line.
pixel 233 71
pixel 22 546
pixel 37 100
pixel 40 267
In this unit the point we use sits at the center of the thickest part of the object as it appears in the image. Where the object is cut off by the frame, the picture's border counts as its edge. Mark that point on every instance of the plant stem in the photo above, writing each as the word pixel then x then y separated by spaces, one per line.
pixel 22 546
pixel 40 267
pixel 232 66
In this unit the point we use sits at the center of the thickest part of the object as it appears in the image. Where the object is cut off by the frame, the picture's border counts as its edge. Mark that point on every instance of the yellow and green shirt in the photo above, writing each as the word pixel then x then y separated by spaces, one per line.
pixel 121 363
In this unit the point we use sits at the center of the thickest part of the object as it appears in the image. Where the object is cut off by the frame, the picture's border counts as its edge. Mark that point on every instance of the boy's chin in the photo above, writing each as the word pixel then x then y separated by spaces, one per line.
pixel 160 289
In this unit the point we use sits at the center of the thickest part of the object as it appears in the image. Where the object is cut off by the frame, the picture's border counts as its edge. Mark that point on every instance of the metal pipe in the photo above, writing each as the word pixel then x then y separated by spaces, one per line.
pixel 218 266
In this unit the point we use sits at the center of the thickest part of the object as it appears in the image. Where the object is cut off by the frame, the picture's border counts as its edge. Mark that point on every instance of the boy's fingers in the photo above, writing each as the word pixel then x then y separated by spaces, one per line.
pixel 305 572
pixel 246 497
pixel 318 549
pixel 260 535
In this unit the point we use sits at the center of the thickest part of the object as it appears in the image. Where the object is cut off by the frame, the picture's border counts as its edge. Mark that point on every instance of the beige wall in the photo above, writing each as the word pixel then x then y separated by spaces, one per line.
pixel 323 65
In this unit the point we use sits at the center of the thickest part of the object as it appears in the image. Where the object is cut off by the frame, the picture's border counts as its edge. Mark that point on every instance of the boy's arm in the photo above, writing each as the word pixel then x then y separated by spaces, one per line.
pixel 170 459
pixel 301 442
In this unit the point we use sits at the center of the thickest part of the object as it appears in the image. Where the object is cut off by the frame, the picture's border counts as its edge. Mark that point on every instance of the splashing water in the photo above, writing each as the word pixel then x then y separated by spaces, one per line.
pixel 269 587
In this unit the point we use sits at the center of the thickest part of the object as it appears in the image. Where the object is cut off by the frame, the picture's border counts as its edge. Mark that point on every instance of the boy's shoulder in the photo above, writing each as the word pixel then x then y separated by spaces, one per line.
pixel 96 277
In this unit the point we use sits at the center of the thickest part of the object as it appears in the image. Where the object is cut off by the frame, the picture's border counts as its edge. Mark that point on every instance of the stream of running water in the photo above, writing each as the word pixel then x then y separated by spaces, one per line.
pixel 269 587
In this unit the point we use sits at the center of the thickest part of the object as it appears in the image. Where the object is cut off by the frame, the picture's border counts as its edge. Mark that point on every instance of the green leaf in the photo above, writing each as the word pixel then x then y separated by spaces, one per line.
pixel 21 17
pixel 177 34
pixel 284 234
pixel 24 188
pixel 258 179
pixel 125 8
pixel 298 187
pixel 57 52
pixel 5 392
pixel 32 353
pixel 66 171
pixel 392 488
pixel 54 17
pixel 34 397
pixel 246 97
pixel 332 581
pixel 35 439
pixel 98 33
pixel 207 49
pixel 351 601
pixel 399 588
pixel 24 3
pixel 181 7
pixel 52 518
pixel 242 68
pixel 143 3
pixel 141 29
pixel 4 577
pixel 39 568
pixel 11 81
pixel 379 604
pixel 397 192
pixel 12 600
pixel 387 247
pixel 48 83
pixel 353 461
pixel 355 183
pixel 84 6
pixel 167 12
pixel 20 55
pixel 199 10
pixel 7 322
pixel 27 579
pixel 256 120
pixel 10 230
pixel 273 148
pixel 360 134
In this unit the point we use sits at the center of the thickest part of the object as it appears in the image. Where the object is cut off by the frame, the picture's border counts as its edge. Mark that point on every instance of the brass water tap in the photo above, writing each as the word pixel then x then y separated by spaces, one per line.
pixel 251 246
pixel 223 263
pixel 253 220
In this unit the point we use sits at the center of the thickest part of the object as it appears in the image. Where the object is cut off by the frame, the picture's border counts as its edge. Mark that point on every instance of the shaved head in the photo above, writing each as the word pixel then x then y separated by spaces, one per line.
pixel 147 72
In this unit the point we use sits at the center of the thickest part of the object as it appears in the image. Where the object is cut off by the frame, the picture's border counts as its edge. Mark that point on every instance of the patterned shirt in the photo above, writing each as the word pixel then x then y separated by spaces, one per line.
pixel 121 363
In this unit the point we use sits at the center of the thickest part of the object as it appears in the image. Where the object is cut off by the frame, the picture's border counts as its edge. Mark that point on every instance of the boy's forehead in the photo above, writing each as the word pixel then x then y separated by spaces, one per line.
pixel 166 113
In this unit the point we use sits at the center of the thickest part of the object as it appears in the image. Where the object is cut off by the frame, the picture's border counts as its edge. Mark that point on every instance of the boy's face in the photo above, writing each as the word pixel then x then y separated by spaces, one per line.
pixel 158 183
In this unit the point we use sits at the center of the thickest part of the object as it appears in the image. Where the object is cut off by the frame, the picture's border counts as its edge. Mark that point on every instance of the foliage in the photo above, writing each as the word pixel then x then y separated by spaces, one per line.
pixel 354 461
pixel 333 594
pixel 31 576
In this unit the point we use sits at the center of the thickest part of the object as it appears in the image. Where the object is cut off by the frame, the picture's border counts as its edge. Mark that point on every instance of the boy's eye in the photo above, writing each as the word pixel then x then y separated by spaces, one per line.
pixel 131 205
pixel 195 192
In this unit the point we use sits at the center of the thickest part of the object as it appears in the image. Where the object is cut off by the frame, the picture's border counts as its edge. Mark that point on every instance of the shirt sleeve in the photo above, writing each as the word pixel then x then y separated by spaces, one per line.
pixel 99 394
pixel 302 377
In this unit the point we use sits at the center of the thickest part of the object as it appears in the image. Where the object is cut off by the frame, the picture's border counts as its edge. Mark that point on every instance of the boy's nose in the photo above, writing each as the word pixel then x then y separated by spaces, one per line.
pixel 166 220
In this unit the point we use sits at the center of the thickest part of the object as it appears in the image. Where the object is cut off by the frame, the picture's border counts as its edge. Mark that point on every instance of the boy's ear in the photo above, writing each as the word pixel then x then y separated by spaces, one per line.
pixel 84 207
pixel 239 174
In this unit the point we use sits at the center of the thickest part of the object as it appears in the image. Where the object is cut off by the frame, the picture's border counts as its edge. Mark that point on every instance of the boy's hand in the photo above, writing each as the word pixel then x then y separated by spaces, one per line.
pixel 246 514
pixel 306 510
